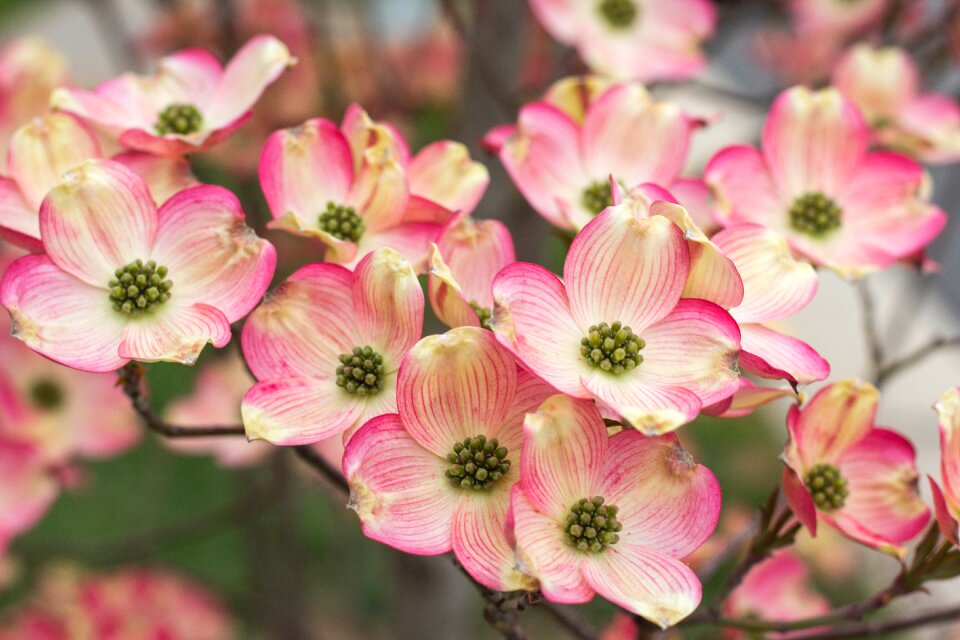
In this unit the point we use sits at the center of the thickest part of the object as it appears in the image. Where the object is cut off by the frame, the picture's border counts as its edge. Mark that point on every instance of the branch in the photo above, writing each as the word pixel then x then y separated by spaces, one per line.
pixel 577 627
pixel 309 455
pixel 870 330
pixel 893 368
pixel 883 627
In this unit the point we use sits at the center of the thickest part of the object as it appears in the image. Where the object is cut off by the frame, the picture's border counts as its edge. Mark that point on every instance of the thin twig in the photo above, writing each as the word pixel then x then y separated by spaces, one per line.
pixel 891 369
pixel 873 629
pixel 578 628
pixel 714 564
pixel 309 455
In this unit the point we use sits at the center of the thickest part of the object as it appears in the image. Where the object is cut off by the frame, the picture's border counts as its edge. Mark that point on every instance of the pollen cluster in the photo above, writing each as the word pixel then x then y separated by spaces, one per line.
pixel 182 119
pixel 139 287
pixel 477 463
pixel 342 222
pixel 360 371
pixel 592 525
pixel 619 14
pixel 597 197
pixel 612 347
pixel 827 486
pixel 814 214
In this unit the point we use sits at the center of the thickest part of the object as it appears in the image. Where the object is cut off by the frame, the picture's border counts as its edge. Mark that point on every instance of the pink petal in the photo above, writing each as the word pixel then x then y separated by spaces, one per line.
pixel 100 107
pixel 298 410
pixel 176 333
pixel 399 490
pixel 254 67
pixel 644 581
pixel 446 297
pixel 380 192
pixel 420 209
pixel 931 125
pixel 694 195
pixel 813 141
pixel 304 168
pixel 480 542
pixel 42 150
pixel 389 304
pixel 164 176
pixel 649 406
pixel 945 519
pixel 303 326
pixel 363 133
pixel 444 173
pixel 475 251
pixel 837 418
pixel 544 554
pixel 771 354
pixel 81 330
pixel 621 268
pixel 667 501
pixel 778 588
pixel 453 386
pixel 172 145
pixel 799 499
pixel 531 393
pixel 775 284
pixel 410 239
pixel 881 82
pixel 19 223
pixel 524 294
pixel 564 446
pixel 628 135
pixel 189 75
pixel 747 398
pixel 99 219
pixel 743 189
pixel 212 255
pixel 948 414
pixel 543 160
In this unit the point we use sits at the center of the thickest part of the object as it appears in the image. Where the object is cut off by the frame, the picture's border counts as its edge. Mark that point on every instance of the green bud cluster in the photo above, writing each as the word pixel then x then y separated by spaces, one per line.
pixel 139 287
pixel 597 197
pixel 613 348
pixel 827 486
pixel 592 525
pixel 342 222
pixel 179 118
pixel 477 463
pixel 361 371
pixel 46 394
pixel 484 314
pixel 619 14
pixel 814 214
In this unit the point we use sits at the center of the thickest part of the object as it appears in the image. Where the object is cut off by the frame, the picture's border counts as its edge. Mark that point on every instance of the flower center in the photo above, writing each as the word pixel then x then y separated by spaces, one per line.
pixel 46 394
pixel 597 197
pixel 827 486
pixel 361 371
pixel 484 314
pixel 592 525
pixel 342 222
pixel 612 347
pixel 477 463
pixel 619 14
pixel 815 215
pixel 179 118
pixel 139 287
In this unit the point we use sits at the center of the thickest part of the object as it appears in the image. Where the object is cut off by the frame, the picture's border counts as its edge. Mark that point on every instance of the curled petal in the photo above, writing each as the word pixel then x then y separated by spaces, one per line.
pixel 946 520
pixel 747 398
pixel 175 334
pixel 255 66
pixel 389 303
pixel 443 172
pixel 837 418
pixel 363 133
pixel 475 251
pixel 948 413
pixel 409 506
pixel 480 542
pixel 799 499
pixel 770 354
pixel 455 386
pixel 381 191
pixel 446 297
pixel 294 411
pixel 19 223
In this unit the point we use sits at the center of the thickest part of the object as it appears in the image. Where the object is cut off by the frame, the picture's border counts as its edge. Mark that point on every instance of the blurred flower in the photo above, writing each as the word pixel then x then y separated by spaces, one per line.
pixel 564 149
pixel 836 17
pixel 437 476
pixel 616 329
pixel 463 263
pixel 633 39
pixel 326 346
pixel 947 501
pixel 611 515
pixel 797 58
pixel 43 150
pixel 814 182
pixel 854 476
pixel 104 293
pixel 29 71
pixel 776 589
pixel 189 104
pixel 885 84
pixel 216 399
pixel 127 604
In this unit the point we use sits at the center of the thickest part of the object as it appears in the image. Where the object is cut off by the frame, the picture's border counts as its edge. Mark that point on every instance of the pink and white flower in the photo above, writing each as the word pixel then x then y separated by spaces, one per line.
pixel 188 104
pixel 610 515
pixel 633 39
pixel 814 182
pixel 563 164
pixel 122 280
pixel 856 477
pixel 615 329
pixel 326 346
pixel 348 187
pixel 885 84
pixel 777 589
pixel 436 476
pixel 44 149
pixel 946 501
pixel 467 257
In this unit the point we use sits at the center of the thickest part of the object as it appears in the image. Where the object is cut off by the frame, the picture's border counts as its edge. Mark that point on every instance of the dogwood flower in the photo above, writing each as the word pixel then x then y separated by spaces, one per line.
pixel 616 329
pixel 348 188
pixel 856 477
pixel 946 501
pixel 188 104
pixel 562 164
pixel 632 39
pixel 436 476
pixel 122 280
pixel 610 515
pixel 42 150
pixel 467 257
pixel 885 84
pixel 326 346
pixel 814 182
